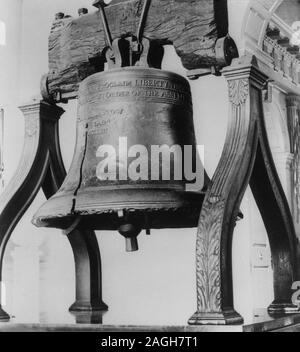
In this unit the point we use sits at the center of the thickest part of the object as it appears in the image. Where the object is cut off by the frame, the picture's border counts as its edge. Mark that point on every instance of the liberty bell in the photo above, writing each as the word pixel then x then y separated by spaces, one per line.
pixel 135 151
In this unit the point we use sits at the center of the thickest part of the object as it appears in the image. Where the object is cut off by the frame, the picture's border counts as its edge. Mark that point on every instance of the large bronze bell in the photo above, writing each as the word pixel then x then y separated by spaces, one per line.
pixel 119 109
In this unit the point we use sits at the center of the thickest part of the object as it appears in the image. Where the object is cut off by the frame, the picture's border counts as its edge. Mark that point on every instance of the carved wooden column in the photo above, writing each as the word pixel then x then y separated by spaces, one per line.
pixel 27 180
pixel 221 205
pixel 284 162
pixel 41 166
pixel 246 158
pixel 88 272
pixel 293 119
pixel 273 206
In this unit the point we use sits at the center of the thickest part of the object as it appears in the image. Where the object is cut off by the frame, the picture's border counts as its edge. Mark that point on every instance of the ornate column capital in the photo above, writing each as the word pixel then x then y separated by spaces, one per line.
pixel 42 109
pixel 245 67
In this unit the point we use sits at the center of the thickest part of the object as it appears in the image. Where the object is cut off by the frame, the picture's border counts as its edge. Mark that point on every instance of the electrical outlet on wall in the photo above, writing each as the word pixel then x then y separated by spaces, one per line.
pixel 260 256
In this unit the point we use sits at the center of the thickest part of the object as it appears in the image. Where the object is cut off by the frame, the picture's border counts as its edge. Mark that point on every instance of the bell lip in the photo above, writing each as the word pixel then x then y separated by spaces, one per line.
pixel 139 68
pixel 143 219
pixel 58 210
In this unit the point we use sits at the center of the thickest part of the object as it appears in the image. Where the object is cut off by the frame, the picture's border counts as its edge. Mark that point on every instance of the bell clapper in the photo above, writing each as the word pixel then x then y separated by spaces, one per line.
pixel 130 232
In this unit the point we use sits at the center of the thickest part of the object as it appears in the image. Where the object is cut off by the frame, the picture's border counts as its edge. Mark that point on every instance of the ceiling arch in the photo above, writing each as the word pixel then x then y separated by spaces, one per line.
pixel 258 17
pixel 268 33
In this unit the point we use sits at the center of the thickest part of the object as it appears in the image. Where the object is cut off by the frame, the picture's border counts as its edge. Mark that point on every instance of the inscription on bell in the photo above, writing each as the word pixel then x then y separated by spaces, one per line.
pixel 156 90
pixel 145 94
pixel 140 83
pixel 156 83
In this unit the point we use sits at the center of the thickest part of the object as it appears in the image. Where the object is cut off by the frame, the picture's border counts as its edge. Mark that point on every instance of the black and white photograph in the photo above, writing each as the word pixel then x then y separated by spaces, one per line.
pixel 149 169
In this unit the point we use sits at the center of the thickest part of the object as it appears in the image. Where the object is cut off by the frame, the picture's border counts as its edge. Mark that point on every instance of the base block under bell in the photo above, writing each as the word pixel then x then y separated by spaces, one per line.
pixel 283 308
pixel 80 306
pixel 4 317
pixel 230 317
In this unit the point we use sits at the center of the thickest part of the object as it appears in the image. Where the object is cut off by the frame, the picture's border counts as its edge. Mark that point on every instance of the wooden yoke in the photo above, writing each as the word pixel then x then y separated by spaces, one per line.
pixel 197 29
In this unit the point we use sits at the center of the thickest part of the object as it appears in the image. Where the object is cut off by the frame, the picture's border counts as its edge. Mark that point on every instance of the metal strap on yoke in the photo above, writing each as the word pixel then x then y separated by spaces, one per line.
pixel 100 4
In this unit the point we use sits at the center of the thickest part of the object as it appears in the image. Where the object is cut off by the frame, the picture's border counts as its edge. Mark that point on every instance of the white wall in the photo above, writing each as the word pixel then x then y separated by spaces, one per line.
pixel 10 14
pixel 157 284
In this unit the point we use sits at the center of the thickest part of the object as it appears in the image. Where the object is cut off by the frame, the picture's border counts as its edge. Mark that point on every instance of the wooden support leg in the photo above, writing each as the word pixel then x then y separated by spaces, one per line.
pixel 41 166
pixel 276 215
pixel 25 184
pixel 88 272
pixel 221 205
pixel 246 158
